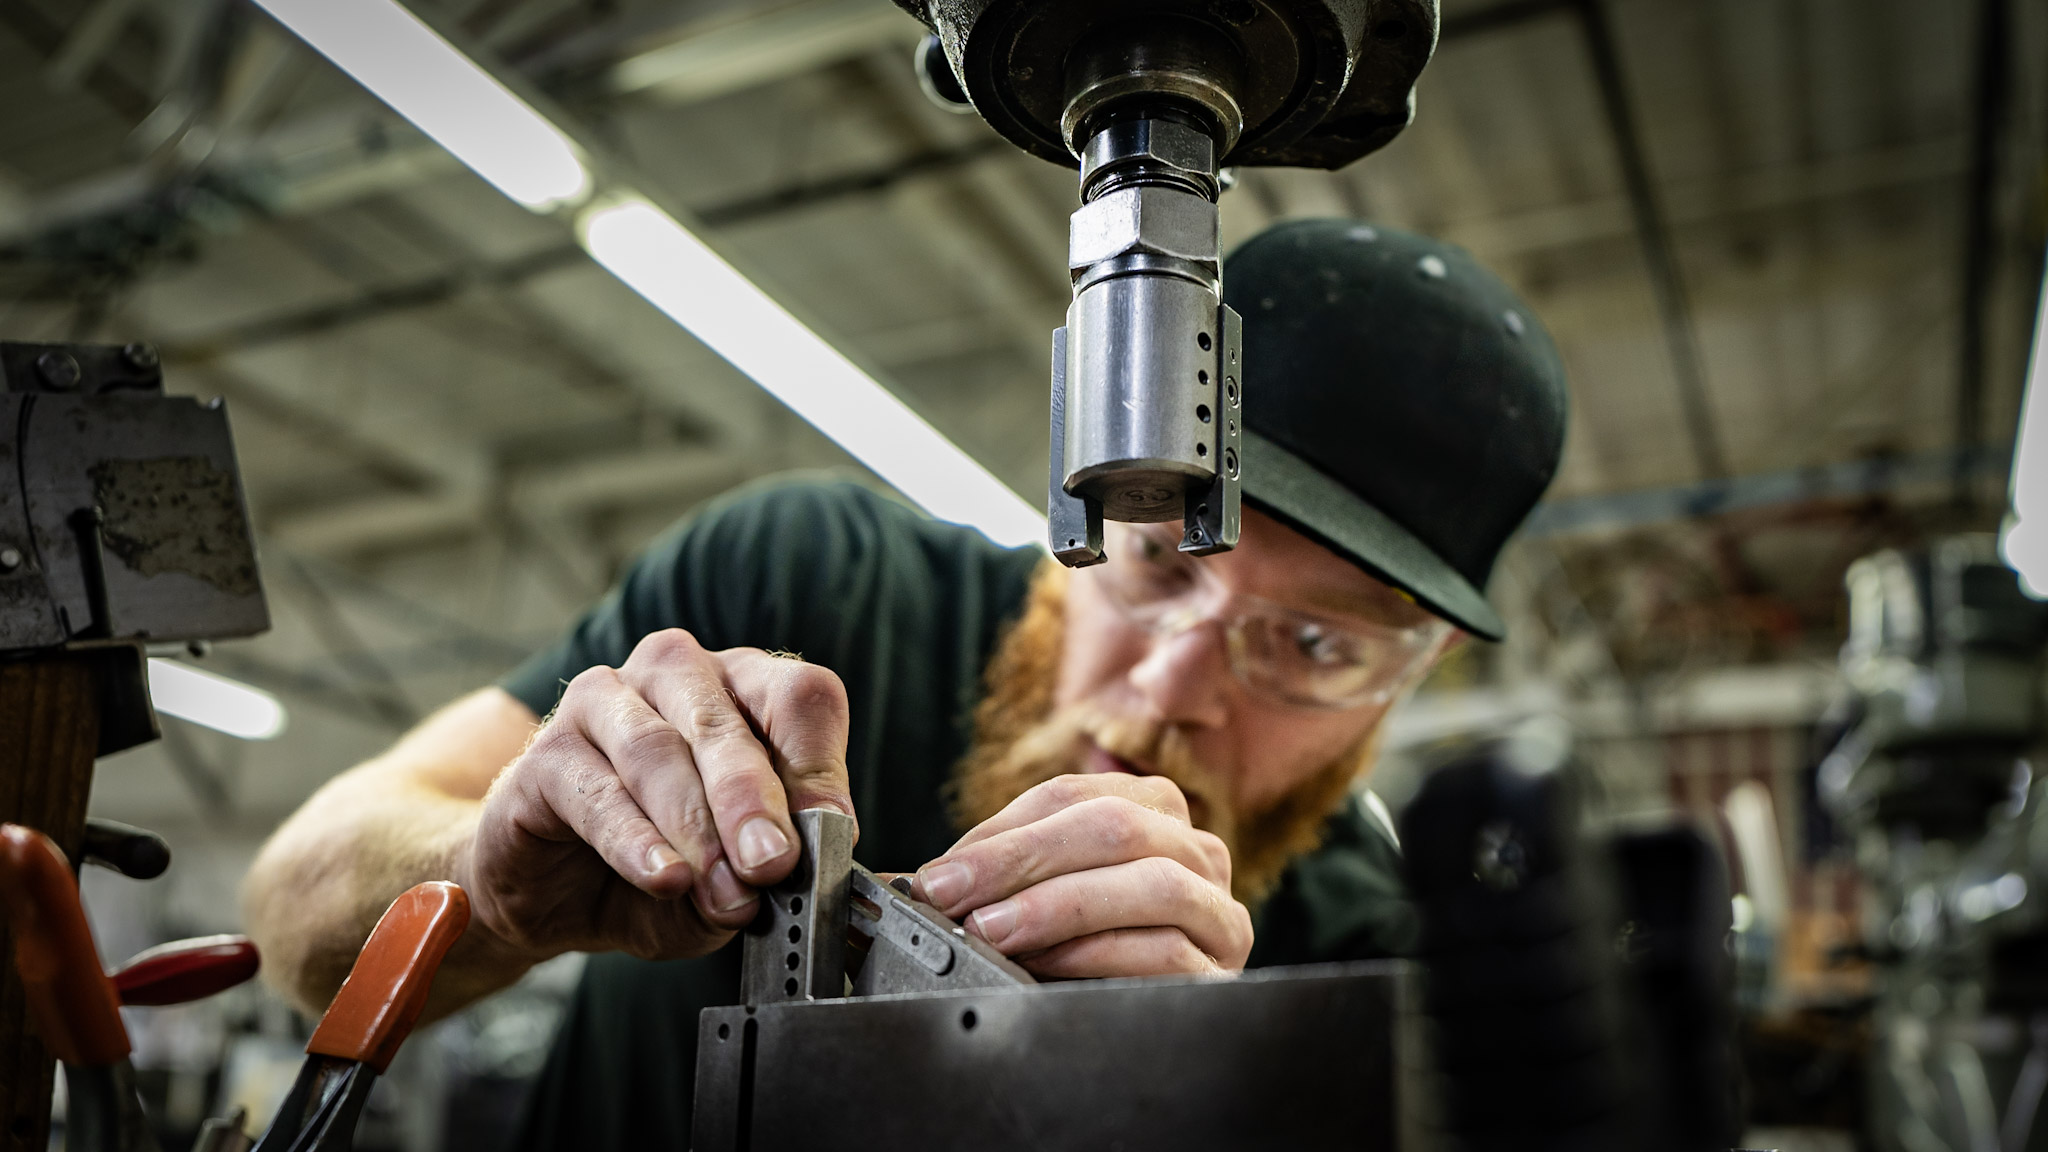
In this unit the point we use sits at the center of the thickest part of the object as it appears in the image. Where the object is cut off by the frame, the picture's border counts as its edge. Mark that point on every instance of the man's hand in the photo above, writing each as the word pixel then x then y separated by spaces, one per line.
pixel 1098 875
pixel 652 804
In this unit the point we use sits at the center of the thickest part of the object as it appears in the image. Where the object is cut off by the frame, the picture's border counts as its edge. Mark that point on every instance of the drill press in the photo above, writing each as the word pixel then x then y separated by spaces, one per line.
pixel 1151 99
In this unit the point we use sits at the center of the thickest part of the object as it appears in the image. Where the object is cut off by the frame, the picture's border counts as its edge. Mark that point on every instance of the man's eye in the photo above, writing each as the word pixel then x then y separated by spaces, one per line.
pixel 1320 645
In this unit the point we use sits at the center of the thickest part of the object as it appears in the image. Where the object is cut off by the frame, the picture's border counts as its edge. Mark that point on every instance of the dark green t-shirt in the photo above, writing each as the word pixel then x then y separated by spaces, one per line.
pixel 907 611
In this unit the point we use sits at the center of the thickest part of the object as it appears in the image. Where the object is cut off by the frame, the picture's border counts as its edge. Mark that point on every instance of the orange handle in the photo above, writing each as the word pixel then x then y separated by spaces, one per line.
pixel 186 970
pixel 70 999
pixel 387 989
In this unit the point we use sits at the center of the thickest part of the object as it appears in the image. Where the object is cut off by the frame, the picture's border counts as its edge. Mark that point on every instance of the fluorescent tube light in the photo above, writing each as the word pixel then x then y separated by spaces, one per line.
pixel 222 704
pixel 426 80
pixel 677 273
pixel 2025 541
pixel 431 83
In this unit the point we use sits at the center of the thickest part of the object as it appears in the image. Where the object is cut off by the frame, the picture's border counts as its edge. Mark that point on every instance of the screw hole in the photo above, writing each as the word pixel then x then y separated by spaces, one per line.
pixel 1230 462
pixel 915 940
pixel 795 934
pixel 1203 340
pixel 1230 390
pixel 1071 542
pixel 1201 449
pixel 793 960
pixel 725 1031
pixel 796 904
pixel 789 986
pixel 1202 377
pixel 968 1020
pixel 1202 413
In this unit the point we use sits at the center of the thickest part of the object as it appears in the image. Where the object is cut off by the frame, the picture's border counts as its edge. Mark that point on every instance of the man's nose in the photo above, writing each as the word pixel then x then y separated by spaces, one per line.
pixel 1184 677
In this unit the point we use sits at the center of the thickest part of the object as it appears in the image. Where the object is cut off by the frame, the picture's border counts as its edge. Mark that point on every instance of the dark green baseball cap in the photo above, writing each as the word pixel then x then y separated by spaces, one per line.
pixel 1402 406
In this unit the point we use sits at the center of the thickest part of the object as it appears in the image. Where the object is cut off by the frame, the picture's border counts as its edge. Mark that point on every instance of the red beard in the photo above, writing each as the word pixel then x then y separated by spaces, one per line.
pixel 1021 740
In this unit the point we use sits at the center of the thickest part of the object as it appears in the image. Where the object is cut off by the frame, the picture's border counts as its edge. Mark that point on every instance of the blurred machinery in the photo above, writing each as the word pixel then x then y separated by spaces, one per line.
pixel 1151 101
pixel 1577 985
pixel 1934 775
pixel 122 525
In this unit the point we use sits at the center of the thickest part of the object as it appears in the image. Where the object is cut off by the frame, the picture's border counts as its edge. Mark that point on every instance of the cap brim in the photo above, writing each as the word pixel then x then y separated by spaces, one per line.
pixel 1278 482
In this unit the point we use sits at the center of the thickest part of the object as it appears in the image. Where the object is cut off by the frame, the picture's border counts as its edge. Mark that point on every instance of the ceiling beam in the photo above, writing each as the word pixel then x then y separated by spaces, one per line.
pixel 671 475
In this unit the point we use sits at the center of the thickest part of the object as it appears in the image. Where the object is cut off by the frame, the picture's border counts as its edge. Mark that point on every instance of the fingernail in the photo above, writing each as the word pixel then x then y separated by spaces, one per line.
pixel 760 842
pixel 995 922
pixel 944 884
pixel 725 888
pixel 661 857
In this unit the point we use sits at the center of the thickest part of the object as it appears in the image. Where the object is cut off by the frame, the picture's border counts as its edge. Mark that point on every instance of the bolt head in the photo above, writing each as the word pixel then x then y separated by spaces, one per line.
pixel 10 559
pixel 140 356
pixel 58 370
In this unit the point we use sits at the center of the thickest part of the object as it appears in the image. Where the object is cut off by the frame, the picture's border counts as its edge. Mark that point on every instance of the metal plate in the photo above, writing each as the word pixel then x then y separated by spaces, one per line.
pixel 28 618
pixel 179 559
pixel 1299 1058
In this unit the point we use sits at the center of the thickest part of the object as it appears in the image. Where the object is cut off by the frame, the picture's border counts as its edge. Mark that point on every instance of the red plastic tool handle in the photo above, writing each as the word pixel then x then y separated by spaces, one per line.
pixel 387 989
pixel 70 999
pixel 186 970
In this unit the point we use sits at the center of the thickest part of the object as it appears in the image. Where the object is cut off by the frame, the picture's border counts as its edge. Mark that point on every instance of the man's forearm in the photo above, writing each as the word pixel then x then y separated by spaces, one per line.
pixel 318 886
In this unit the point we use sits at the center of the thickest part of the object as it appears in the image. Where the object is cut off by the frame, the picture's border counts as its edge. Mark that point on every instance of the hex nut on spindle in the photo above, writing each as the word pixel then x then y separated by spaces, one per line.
pixel 1155 221
pixel 58 370
pixel 1187 151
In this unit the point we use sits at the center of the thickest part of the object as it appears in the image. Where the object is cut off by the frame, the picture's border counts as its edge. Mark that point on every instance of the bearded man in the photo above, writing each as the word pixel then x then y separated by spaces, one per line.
pixel 1140 768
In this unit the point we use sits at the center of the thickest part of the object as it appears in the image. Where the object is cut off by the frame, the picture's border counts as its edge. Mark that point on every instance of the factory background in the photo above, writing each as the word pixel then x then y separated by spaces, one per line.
pixel 1790 250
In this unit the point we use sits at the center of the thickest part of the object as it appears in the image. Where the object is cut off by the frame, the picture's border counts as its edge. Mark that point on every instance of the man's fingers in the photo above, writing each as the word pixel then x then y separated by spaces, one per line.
pixel 723 899
pixel 1094 833
pixel 652 760
pixel 1122 952
pixel 1149 893
pixel 583 793
pixel 801 711
pixel 687 685
pixel 656 766
pixel 1061 792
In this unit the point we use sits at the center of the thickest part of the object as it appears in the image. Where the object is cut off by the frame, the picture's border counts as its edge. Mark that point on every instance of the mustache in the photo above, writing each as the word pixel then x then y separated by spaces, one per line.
pixel 1060 744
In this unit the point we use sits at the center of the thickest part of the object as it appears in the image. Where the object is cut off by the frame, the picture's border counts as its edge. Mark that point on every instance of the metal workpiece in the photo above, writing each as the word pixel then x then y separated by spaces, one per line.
pixel 913 947
pixel 833 928
pixel 1300 1058
pixel 796 947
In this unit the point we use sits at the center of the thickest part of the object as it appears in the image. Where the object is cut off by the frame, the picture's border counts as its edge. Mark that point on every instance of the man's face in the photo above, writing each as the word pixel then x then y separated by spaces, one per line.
pixel 1271 662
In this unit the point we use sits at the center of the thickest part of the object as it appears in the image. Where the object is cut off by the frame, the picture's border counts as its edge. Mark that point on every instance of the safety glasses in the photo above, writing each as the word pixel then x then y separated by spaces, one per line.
pixel 1312 660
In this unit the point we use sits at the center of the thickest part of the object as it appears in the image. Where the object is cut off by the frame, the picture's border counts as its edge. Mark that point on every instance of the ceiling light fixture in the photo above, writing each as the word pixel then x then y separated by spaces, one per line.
pixel 538 162
pixel 2025 539
pixel 679 274
pixel 429 82
pixel 217 702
